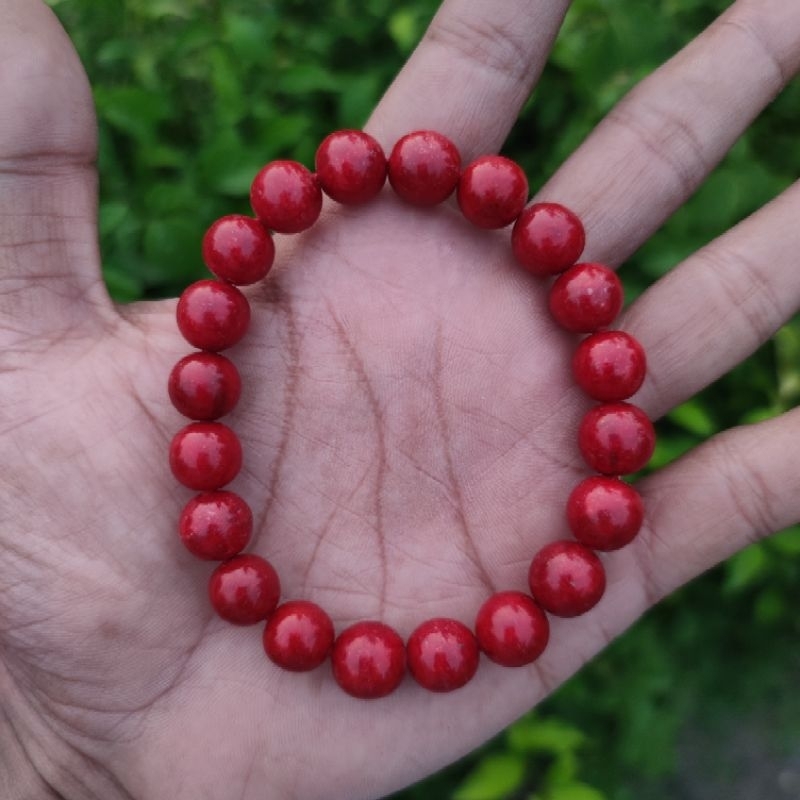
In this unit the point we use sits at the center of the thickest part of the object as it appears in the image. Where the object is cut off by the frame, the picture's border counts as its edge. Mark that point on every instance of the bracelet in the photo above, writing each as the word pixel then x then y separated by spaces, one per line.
pixel 566 578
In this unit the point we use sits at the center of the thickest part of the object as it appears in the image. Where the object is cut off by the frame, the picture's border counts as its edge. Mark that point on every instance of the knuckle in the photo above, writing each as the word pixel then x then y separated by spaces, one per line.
pixel 745 289
pixel 749 28
pixel 748 491
pixel 485 43
pixel 662 135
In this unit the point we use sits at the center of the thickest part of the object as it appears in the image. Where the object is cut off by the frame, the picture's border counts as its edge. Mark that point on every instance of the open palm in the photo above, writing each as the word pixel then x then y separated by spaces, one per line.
pixel 408 422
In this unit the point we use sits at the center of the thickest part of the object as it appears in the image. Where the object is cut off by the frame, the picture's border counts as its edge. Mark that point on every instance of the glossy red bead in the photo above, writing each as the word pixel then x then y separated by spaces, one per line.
pixel 547 239
pixel 212 315
pixel 205 455
pixel 442 655
pixel 609 366
pixel 492 192
pixel 238 249
pixel 286 197
pixel 604 513
pixel 216 526
pixel 244 590
pixel 204 386
pixel 424 168
pixel 586 298
pixel 351 167
pixel 616 438
pixel 368 660
pixel 566 579
pixel 512 629
pixel 298 636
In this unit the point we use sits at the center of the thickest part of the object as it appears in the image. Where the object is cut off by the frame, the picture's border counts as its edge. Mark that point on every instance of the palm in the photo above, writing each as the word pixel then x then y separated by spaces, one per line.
pixel 409 426
pixel 389 476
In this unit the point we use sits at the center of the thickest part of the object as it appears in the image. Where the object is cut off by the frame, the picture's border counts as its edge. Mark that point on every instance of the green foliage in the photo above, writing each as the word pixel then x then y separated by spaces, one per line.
pixel 193 96
pixel 541 754
pixel 495 777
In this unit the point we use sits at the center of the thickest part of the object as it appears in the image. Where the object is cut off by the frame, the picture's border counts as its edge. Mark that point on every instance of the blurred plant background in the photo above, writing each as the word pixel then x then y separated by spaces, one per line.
pixel 699 700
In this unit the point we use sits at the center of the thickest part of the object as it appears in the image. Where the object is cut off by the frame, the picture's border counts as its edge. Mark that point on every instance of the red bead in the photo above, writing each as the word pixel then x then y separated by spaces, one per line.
pixel 204 386
pixel 205 455
pixel 238 249
pixel 492 192
pixel 566 578
pixel 616 438
pixel 511 629
pixel 216 526
pixel 244 590
pixel 547 239
pixel 351 167
pixel 604 513
pixel 442 655
pixel 368 660
pixel 298 636
pixel 286 197
pixel 586 298
pixel 609 366
pixel 424 168
pixel 213 315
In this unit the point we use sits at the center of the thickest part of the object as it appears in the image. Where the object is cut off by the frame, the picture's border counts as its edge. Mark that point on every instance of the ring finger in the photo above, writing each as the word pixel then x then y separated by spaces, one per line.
pixel 719 305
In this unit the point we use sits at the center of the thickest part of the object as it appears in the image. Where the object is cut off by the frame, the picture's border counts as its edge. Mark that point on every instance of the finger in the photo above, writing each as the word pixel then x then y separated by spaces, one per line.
pixel 656 146
pixel 49 265
pixel 738 487
pixel 719 305
pixel 471 73
pixel 735 489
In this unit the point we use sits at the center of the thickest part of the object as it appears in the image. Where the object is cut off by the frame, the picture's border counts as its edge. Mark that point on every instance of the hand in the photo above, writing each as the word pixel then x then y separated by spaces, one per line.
pixel 408 423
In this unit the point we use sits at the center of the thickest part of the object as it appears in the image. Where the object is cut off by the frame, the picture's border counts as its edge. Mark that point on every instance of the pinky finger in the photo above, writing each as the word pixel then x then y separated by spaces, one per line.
pixel 735 489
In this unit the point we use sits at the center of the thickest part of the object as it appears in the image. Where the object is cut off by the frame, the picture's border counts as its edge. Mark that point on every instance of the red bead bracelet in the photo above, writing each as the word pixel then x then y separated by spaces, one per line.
pixel 566 578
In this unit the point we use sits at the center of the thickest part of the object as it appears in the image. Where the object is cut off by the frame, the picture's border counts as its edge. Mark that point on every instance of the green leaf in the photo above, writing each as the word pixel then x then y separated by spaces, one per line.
pixel 230 105
pixel 122 287
pixel 156 9
pixel 404 29
pixel 574 791
pixel 282 132
pixel 495 777
pixel 171 197
pixel 132 110
pixel 758 415
pixel 564 769
pixel 669 448
pixel 248 36
pixel 693 417
pixel 113 213
pixel 745 568
pixel 787 357
pixel 227 165
pixel 162 156
pixel 115 50
pixel 174 242
pixel 356 104
pixel 303 78
pixel 544 736
pixel 770 607
pixel 786 542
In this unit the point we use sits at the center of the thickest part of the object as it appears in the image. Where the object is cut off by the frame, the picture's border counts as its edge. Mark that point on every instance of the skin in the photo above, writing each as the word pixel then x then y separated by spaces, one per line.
pixel 408 423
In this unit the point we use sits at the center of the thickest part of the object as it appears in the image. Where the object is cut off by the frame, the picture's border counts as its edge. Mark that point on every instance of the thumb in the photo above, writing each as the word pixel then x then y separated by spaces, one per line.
pixel 49 263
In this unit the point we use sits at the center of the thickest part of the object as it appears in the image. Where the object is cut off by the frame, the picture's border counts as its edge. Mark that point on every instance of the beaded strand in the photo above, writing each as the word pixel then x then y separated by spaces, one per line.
pixel 566 578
